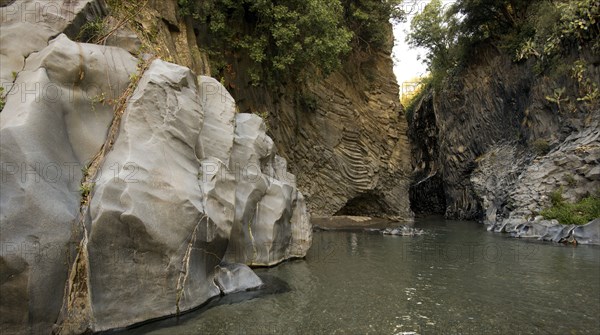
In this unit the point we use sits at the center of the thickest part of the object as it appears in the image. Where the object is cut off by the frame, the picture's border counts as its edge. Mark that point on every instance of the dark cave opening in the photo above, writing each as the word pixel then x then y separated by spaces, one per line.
pixel 365 204
pixel 427 196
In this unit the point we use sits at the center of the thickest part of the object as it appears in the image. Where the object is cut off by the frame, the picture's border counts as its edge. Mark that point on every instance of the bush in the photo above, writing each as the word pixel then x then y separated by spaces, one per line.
pixel 288 41
pixel 540 147
pixel 367 19
pixel 92 31
pixel 308 102
pixel 284 40
pixel 543 30
pixel 578 213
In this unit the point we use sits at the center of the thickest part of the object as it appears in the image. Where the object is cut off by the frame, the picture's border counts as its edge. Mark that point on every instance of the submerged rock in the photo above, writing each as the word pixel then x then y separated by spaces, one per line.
pixel 403 231
pixel 233 278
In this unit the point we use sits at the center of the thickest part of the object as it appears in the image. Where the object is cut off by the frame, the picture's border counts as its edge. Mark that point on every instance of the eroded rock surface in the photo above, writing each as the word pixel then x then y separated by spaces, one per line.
pixel 48 135
pixel 164 209
pixel 489 103
pixel 491 145
pixel 344 137
pixel 515 187
pixel 28 26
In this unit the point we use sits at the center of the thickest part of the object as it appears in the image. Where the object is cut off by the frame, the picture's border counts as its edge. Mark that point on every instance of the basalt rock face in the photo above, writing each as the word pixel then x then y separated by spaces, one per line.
pixel 352 148
pixel 483 106
pixel 181 177
pixel 514 186
pixel 344 137
pixel 156 26
pixel 496 145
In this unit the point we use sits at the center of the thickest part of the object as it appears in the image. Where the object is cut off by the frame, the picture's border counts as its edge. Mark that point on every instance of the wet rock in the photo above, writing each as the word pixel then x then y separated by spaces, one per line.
pixel 233 278
pixel 403 231
pixel 552 233
pixel 588 234
pixel 535 229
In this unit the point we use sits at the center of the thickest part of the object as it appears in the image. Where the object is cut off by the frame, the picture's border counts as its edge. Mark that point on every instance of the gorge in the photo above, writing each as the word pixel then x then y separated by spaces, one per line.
pixel 145 175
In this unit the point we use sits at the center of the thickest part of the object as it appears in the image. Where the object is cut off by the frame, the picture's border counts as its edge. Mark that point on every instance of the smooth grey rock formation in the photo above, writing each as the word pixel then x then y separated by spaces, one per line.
pixel 218 129
pixel 28 26
pixel 164 204
pixel 271 220
pixel 51 126
pixel 552 233
pixel 150 214
pixel 588 234
pixel 551 230
pixel 233 278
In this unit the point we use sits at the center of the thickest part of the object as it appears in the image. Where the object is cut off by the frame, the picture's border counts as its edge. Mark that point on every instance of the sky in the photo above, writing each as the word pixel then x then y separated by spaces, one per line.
pixel 406 63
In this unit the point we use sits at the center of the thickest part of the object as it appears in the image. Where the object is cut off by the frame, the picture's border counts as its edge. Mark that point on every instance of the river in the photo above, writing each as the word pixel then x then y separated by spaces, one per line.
pixel 455 279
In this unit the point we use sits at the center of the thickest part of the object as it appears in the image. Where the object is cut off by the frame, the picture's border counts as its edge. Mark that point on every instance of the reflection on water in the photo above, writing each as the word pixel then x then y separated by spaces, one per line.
pixel 456 279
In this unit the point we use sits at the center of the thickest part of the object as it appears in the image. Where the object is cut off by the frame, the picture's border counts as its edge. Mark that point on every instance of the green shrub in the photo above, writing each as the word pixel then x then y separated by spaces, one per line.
pixel 543 30
pixel 556 197
pixel 578 213
pixel 570 179
pixel 92 31
pixel 308 102
pixel 288 41
pixel 283 40
pixel 540 147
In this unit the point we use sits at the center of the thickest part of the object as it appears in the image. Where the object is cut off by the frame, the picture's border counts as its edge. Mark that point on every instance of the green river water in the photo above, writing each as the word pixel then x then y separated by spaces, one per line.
pixel 455 279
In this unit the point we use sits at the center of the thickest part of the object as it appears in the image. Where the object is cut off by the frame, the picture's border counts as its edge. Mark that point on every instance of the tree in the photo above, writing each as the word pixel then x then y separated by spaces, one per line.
pixel 283 39
pixel 367 19
pixel 483 19
pixel 435 30
pixel 292 39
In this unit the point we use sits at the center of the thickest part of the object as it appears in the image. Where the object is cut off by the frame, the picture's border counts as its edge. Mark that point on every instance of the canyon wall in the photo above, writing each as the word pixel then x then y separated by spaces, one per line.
pixel 127 181
pixel 344 137
pixel 491 144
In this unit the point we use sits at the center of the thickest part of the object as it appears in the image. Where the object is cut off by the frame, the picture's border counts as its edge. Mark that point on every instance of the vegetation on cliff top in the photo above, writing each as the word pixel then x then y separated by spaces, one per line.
pixel 544 30
pixel 289 40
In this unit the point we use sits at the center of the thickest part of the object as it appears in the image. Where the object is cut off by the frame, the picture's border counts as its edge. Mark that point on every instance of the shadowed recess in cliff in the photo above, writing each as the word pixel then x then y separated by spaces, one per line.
pixel 368 203
pixel 427 196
